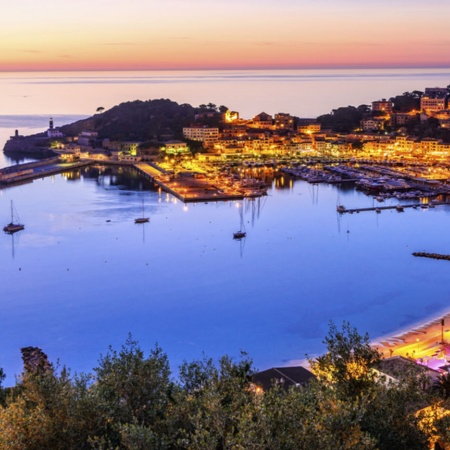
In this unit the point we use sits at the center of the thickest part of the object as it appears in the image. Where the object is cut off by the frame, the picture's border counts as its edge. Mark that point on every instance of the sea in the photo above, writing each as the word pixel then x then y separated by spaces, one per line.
pixel 82 276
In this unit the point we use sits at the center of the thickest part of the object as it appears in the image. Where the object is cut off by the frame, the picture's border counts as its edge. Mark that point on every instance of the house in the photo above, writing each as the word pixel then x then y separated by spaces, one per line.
pixel 262 120
pixel 395 367
pixel 283 376
pixel 174 147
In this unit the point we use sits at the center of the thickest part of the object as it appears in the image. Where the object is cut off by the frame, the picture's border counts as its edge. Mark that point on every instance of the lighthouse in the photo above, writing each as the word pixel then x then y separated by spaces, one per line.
pixel 51 132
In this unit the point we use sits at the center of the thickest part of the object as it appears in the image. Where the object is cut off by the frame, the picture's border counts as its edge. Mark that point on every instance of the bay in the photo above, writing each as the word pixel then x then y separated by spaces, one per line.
pixel 82 275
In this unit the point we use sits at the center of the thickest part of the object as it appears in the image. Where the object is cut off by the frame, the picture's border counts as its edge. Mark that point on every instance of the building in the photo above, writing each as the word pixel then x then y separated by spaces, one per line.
pixel 373 124
pixel 436 92
pixel 208 136
pixel 308 126
pixel 383 105
pixel 175 147
pixel 434 99
pixel 284 121
pixel 86 137
pixel 283 376
pixel 52 132
pixel 262 120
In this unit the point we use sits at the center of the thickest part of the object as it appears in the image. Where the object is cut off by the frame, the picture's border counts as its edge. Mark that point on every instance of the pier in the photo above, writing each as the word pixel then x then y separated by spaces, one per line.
pixel 31 171
pixel 192 187
pixel 399 207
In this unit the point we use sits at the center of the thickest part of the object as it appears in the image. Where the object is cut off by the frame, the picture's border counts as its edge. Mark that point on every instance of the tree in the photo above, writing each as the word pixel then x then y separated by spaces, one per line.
pixel 100 109
pixel 442 386
pixel 48 409
pixel 132 389
pixel 208 408
pixel 348 363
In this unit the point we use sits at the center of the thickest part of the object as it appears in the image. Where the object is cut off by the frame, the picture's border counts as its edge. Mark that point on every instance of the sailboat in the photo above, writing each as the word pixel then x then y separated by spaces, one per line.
pixel 13 227
pixel 241 233
pixel 142 219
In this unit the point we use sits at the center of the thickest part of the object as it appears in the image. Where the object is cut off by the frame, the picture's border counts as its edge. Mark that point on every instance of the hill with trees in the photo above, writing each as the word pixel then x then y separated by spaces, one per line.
pixel 145 120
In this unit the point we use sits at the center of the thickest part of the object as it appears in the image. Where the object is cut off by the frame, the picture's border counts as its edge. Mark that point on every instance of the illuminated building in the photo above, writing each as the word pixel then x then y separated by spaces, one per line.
pixel 208 136
pixel 382 105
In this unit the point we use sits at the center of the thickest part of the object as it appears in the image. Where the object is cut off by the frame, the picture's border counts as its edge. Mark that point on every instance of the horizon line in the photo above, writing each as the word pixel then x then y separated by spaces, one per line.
pixel 186 69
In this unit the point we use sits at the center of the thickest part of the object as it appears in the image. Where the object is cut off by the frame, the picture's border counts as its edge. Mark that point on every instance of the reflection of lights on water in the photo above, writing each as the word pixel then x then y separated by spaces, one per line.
pixel 185 208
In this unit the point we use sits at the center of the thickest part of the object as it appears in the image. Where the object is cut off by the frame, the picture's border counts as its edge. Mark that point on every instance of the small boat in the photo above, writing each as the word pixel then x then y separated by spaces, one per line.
pixel 241 233
pixel 399 208
pixel 378 210
pixel 340 209
pixel 142 219
pixel 13 227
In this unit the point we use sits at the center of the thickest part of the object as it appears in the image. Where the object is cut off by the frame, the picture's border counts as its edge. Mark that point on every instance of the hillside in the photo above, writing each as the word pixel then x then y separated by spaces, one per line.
pixel 140 120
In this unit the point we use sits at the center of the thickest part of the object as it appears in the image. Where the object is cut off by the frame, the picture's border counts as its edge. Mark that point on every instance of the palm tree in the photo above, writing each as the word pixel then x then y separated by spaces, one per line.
pixel 442 386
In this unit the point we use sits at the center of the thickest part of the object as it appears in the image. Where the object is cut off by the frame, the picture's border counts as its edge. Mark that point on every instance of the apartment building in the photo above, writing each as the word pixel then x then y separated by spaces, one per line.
pixel 203 134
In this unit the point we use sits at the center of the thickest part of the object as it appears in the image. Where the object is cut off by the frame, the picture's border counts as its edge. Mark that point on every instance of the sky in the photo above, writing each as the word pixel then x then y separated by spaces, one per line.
pixel 218 34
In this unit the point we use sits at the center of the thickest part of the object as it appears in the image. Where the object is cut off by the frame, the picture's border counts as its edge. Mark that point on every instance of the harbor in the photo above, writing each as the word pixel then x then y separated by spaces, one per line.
pixel 187 186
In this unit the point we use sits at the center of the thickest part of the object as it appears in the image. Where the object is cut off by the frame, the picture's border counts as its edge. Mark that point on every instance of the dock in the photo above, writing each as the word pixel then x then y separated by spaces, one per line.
pixel 191 187
pixel 399 207
pixel 21 173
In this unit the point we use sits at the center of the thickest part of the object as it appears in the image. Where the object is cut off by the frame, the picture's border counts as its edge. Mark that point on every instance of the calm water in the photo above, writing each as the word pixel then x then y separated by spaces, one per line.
pixel 82 275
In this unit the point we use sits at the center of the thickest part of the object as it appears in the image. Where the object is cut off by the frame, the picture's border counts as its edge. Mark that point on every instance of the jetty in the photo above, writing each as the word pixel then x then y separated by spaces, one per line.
pixel 31 171
pixel 399 207
pixel 194 187
pixel 431 255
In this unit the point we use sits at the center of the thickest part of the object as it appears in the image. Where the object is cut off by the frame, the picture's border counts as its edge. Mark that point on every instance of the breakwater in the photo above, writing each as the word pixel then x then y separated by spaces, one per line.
pixel 431 255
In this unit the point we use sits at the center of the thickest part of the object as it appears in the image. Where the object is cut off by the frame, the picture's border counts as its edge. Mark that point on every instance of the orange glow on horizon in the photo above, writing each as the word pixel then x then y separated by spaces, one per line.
pixel 288 34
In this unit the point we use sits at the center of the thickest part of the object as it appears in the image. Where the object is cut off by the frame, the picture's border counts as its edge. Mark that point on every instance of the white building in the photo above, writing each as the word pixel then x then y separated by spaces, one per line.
pixel 203 134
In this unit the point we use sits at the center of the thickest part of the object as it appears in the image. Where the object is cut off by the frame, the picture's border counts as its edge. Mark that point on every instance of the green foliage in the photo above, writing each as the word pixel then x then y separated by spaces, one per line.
pixel 343 119
pixel 131 403
pixel 348 363
pixel 442 386
pixel 408 101
pixel 132 389
pixel 138 120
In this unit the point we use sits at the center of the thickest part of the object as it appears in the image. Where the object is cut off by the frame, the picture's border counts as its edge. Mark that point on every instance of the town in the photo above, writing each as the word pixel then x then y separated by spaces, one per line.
pixel 393 148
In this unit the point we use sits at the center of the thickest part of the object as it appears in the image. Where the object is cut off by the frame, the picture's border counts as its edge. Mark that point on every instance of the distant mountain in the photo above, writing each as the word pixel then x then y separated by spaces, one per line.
pixel 141 120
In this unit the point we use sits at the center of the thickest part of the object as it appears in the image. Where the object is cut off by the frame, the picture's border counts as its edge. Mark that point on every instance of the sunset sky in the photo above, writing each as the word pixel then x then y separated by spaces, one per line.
pixel 217 34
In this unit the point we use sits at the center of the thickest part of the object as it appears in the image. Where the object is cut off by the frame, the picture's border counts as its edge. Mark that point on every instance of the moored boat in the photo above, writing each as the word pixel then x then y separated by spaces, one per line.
pixel 13 227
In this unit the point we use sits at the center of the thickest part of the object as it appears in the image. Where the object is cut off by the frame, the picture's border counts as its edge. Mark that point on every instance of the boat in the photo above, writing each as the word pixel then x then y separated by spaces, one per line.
pixel 241 233
pixel 142 219
pixel 340 209
pixel 399 208
pixel 13 227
